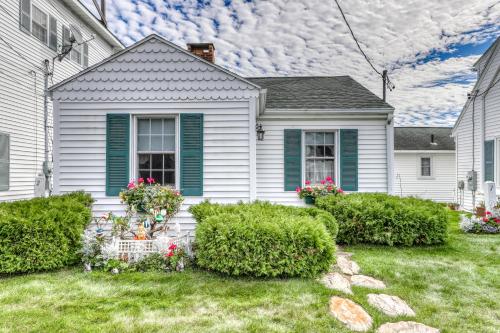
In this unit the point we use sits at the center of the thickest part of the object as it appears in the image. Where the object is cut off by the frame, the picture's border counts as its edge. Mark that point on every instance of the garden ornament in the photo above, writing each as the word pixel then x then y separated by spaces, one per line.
pixel 115 271
pixel 87 267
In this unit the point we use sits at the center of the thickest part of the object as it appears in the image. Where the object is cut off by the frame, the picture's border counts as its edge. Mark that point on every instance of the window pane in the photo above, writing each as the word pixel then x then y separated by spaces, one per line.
pixel 310 170
pixel 144 174
pixel 169 143
pixel 53 33
pixel 319 138
pixel 144 161
pixel 329 169
pixel 309 138
pixel 329 151
pixel 425 163
pixel 329 138
pixel 157 161
pixel 169 161
pixel 156 142
pixel 157 176
pixel 309 151
pixel 39 25
pixel 143 126
pixel 143 143
pixel 156 126
pixel 169 126
pixel 169 177
pixel 320 151
pixel 4 147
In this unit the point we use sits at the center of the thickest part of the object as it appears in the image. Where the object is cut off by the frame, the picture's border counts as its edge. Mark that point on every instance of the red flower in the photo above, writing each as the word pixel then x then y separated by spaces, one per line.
pixel 297 189
pixel 329 188
pixel 488 213
pixel 150 180
pixel 308 182
pixel 131 185
pixel 340 190
pixel 172 247
pixel 323 182
pixel 140 180
pixel 329 179
pixel 309 189
pixel 485 219
pixel 169 254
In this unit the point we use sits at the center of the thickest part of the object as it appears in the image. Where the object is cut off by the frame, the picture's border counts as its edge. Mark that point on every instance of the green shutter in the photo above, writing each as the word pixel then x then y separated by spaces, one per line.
pixel 489 160
pixel 117 153
pixel 293 158
pixel 191 163
pixel 349 159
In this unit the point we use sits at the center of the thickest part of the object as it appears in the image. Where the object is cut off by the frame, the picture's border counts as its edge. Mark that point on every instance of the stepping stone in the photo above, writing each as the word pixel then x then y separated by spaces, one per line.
pixel 347 266
pixel 350 313
pixel 336 281
pixel 367 282
pixel 390 305
pixel 406 327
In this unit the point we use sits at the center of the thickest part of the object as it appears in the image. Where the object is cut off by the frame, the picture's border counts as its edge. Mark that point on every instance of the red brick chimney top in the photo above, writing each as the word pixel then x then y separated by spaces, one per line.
pixel 203 50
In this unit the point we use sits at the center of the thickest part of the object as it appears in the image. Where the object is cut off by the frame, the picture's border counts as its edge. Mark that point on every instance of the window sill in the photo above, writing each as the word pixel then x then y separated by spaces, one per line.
pixel 426 178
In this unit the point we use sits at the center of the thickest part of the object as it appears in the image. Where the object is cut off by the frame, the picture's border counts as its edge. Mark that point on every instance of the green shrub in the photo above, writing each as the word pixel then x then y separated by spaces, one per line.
pixel 206 209
pixel 383 219
pixel 262 240
pixel 42 233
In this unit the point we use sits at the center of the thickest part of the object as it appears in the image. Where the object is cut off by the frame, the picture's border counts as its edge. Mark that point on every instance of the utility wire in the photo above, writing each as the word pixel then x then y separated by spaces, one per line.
pixel 20 54
pixel 356 40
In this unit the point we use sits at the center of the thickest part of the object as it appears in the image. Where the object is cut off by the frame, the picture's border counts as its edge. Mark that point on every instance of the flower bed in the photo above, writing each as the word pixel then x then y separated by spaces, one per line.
pixel 489 223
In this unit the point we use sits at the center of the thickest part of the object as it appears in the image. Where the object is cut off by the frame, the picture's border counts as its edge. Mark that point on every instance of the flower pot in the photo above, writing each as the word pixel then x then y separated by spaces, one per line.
pixel 309 200
pixel 480 211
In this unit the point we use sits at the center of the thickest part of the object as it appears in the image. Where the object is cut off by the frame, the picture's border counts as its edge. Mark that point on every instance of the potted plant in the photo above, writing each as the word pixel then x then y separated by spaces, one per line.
pixel 453 206
pixel 480 209
pixel 310 192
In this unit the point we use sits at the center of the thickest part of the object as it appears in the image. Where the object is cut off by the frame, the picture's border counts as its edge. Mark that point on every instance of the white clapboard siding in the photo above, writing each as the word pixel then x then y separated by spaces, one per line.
pixel 21 87
pixel 485 127
pixel 372 156
pixel 440 187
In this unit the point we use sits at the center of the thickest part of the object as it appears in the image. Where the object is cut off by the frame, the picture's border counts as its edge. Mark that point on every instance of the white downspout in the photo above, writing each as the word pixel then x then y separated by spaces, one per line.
pixel 389 130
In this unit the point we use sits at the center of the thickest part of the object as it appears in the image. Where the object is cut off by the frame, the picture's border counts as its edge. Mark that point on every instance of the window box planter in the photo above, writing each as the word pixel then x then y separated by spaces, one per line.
pixel 309 200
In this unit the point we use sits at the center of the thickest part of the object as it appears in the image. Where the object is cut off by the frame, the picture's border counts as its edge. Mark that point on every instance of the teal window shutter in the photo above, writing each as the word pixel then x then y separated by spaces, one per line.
pixel 191 159
pixel 489 160
pixel 117 152
pixel 293 158
pixel 349 159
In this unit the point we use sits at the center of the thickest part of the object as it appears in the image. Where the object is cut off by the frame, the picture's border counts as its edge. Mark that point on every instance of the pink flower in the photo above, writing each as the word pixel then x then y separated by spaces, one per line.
pixel 131 185
pixel 308 182
pixel 309 189
pixel 488 213
pixel 140 180
pixel 340 190
pixel 323 182
pixel 329 179
pixel 297 189
pixel 485 219
pixel 172 247
pixel 169 254
pixel 150 180
pixel 329 188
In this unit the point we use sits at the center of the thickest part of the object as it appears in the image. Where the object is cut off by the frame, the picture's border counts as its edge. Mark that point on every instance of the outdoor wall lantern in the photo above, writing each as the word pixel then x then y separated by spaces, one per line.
pixel 260 132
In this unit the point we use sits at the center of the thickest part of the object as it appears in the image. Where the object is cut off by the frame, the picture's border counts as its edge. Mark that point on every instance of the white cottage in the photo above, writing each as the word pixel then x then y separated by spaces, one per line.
pixel 477 130
pixel 424 163
pixel 32 31
pixel 155 109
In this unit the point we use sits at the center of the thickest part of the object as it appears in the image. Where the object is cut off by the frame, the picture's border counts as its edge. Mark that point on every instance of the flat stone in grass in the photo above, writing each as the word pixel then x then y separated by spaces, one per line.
pixel 367 282
pixel 347 266
pixel 406 327
pixel 336 281
pixel 350 313
pixel 390 305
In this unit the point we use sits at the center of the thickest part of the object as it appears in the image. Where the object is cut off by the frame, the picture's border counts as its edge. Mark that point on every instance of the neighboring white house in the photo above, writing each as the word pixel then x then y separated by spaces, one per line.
pixel 424 163
pixel 155 109
pixel 30 32
pixel 477 130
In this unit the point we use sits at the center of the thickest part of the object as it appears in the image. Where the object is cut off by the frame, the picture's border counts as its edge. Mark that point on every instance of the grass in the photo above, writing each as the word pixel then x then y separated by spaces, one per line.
pixel 452 287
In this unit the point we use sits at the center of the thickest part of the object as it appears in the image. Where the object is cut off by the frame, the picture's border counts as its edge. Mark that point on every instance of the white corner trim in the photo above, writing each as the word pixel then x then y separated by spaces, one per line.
pixel 55 146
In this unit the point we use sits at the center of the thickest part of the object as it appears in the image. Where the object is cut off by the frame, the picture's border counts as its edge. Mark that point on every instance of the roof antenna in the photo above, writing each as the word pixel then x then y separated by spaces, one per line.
pixel 432 140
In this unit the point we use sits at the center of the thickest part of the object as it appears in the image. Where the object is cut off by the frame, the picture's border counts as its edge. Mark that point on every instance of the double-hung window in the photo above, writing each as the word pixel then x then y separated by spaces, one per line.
pixel 4 161
pixel 319 156
pixel 425 167
pixel 39 25
pixel 156 149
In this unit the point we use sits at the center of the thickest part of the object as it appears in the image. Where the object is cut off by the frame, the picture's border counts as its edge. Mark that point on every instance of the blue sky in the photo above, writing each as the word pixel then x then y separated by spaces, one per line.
pixel 428 47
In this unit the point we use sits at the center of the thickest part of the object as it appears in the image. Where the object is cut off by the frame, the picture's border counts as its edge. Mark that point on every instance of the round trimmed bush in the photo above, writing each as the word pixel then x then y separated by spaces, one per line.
pixel 262 240
pixel 383 219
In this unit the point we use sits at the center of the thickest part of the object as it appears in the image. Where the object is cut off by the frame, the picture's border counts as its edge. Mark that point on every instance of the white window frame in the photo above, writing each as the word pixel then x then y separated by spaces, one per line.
pixel 30 30
pixel 335 153
pixel 33 7
pixel 134 160
pixel 419 167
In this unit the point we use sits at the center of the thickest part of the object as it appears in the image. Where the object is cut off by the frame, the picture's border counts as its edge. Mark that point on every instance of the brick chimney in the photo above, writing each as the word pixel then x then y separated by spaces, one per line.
pixel 203 50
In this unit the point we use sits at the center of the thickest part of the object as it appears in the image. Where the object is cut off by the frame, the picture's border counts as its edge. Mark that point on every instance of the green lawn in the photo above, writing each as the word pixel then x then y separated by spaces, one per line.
pixel 453 287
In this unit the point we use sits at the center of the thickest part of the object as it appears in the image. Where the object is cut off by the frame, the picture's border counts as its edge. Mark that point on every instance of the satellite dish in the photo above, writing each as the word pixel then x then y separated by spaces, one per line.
pixel 76 35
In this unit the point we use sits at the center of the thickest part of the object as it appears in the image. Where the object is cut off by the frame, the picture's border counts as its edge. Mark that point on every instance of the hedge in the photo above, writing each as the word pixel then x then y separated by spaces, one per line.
pixel 383 219
pixel 43 233
pixel 262 240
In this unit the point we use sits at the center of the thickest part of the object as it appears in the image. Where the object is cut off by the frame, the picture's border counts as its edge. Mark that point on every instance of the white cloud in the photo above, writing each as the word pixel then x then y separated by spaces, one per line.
pixel 280 37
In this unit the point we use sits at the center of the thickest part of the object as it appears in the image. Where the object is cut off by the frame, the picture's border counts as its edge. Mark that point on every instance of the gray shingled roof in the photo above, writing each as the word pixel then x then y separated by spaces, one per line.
pixel 317 92
pixel 419 138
